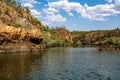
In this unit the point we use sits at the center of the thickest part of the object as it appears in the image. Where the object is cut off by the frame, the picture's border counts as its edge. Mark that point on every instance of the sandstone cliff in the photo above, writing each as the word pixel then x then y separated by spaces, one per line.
pixel 17 39
pixel 19 30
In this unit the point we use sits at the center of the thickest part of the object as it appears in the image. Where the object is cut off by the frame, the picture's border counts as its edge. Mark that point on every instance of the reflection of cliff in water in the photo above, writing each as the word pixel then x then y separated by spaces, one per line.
pixel 18 65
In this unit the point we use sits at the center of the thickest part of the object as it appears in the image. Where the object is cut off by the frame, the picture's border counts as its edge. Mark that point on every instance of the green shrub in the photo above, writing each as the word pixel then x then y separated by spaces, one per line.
pixel 27 10
pixel 7 9
pixel 77 43
pixel 60 42
pixel 118 42
pixel 53 42
pixel 46 28
pixel 47 40
pixel 16 25
pixel 114 41
pixel 0 10
pixel 35 21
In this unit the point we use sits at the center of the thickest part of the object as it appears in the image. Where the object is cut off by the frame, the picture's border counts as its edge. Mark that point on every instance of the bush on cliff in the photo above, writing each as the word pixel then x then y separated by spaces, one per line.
pixel 0 10
pixel 77 43
pixel 7 9
pixel 54 41
pixel 16 25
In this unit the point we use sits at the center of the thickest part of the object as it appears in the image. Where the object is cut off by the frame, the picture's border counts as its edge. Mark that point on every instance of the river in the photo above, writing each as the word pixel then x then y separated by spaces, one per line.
pixel 61 64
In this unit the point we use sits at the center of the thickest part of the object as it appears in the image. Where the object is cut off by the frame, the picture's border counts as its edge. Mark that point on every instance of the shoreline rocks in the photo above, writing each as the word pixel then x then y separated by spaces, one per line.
pixel 109 48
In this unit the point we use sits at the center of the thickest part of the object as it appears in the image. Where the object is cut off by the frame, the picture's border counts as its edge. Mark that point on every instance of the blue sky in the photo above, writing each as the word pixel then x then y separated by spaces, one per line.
pixel 82 15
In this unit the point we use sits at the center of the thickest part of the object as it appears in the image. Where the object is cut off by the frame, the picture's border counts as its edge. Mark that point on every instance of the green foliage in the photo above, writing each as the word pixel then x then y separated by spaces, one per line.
pixel 115 41
pixel 16 25
pixel 59 41
pixel 7 1
pixel 12 3
pixel 7 9
pixel 53 42
pixel 26 27
pixel 98 37
pixel 27 9
pixel 78 32
pixel 118 42
pixel 16 5
pixel 77 43
pixel 35 21
pixel 46 27
pixel 47 40
pixel 0 10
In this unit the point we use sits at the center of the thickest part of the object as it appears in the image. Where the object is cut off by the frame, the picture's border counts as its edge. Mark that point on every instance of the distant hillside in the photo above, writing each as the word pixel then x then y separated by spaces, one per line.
pixel 102 38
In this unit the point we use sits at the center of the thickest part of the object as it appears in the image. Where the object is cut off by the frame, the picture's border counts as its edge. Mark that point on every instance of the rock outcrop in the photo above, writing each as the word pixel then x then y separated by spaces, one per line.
pixel 19 30
pixel 17 39
pixel 61 32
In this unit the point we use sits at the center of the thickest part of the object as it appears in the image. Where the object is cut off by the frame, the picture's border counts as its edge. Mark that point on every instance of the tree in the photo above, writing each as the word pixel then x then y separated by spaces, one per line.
pixel 27 9
pixel 14 3
pixel 46 27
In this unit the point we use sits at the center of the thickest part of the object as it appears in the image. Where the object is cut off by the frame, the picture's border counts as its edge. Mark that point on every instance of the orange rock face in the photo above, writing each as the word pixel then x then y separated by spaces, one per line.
pixel 17 39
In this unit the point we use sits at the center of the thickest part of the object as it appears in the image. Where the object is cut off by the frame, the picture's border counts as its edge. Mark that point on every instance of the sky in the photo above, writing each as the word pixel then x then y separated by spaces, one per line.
pixel 83 15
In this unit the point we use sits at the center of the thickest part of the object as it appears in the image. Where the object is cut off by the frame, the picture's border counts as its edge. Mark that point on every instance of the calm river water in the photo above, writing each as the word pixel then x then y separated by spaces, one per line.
pixel 61 64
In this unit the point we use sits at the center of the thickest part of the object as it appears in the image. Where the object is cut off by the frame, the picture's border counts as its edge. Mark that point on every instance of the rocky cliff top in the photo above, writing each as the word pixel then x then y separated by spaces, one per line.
pixel 13 14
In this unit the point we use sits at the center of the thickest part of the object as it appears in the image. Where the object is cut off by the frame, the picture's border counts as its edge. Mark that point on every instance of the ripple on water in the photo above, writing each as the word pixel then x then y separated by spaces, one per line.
pixel 61 64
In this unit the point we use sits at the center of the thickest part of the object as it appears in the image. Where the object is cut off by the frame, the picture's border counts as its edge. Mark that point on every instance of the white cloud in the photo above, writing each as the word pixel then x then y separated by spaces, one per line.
pixel 99 12
pixel 117 1
pixel 27 5
pixel 71 14
pixel 31 4
pixel 35 12
pixel 49 19
pixel 30 1
pixel 109 1
pixel 117 5
pixel 74 24
pixel 55 18
pixel 52 15
pixel 50 11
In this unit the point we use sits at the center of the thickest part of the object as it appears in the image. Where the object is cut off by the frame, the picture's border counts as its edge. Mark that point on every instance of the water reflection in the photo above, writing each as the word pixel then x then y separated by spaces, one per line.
pixel 15 66
pixel 61 64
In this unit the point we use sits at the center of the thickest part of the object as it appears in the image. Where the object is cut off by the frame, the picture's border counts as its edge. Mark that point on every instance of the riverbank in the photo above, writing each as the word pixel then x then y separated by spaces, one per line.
pixel 20 40
pixel 110 48
pixel 105 39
